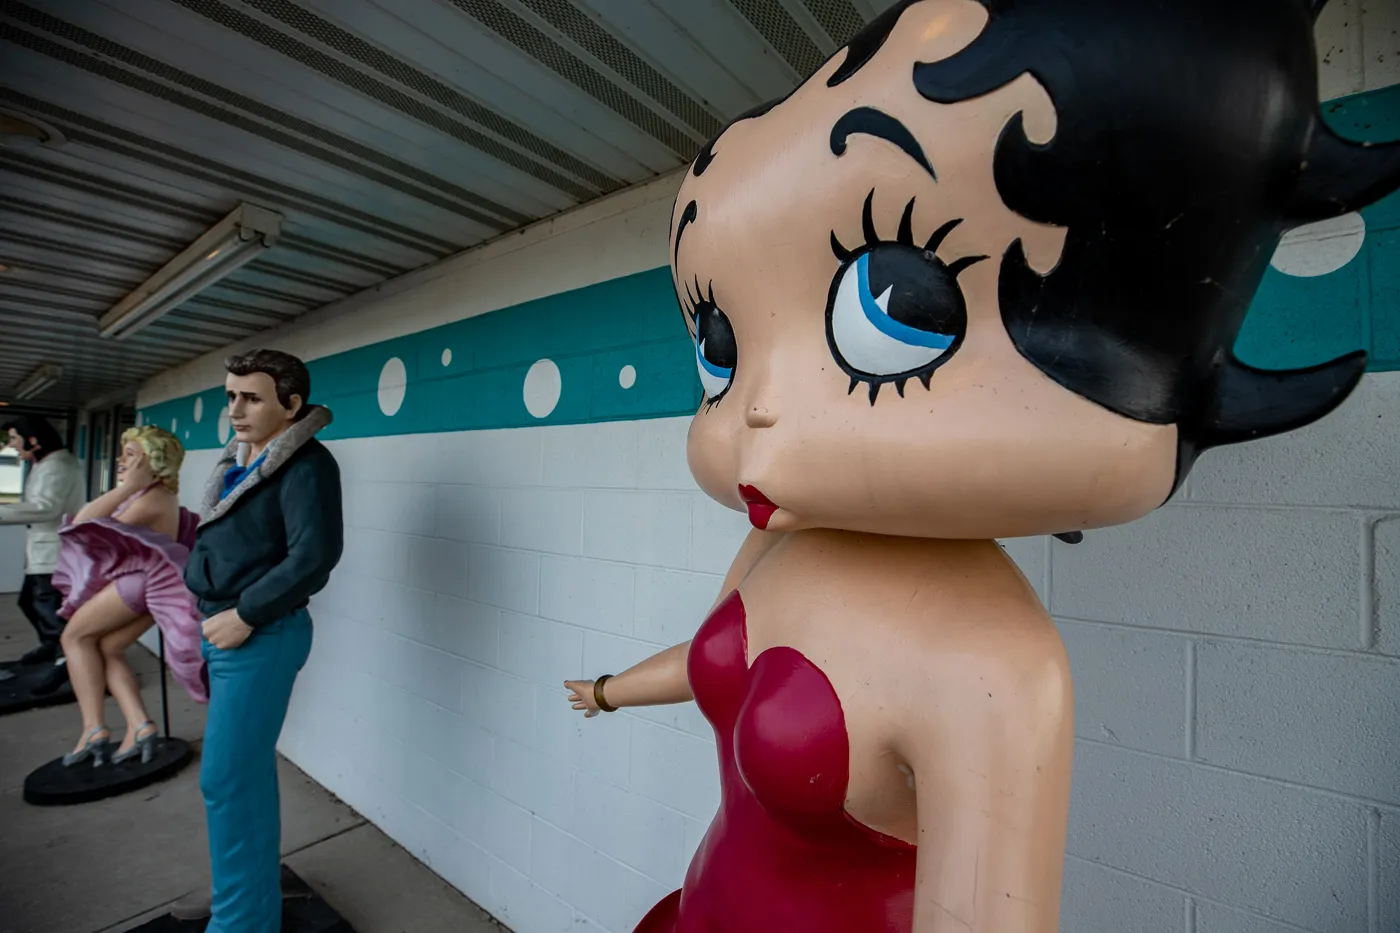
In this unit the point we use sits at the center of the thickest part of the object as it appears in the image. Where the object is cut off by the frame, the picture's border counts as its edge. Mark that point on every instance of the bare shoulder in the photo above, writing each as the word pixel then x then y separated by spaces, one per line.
pixel 160 498
pixel 989 716
pixel 994 657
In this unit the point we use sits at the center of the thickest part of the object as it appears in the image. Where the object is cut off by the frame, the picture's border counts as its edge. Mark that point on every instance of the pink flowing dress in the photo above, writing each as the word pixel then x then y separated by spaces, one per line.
pixel 148 570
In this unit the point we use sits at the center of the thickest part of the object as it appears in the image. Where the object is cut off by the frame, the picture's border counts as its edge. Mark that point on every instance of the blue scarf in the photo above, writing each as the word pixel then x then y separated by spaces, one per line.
pixel 236 473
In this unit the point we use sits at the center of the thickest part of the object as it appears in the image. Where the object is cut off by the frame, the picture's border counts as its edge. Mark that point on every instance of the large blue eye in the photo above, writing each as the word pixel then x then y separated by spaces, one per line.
pixel 895 311
pixel 714 379
pixel 902 322
pixel 716 351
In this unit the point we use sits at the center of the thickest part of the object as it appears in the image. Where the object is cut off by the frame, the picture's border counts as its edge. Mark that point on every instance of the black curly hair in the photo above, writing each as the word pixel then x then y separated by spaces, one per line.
pixel 1189 138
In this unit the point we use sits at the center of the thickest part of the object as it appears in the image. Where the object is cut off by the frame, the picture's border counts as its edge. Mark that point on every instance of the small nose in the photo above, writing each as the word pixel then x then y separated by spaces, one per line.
pixel 761 416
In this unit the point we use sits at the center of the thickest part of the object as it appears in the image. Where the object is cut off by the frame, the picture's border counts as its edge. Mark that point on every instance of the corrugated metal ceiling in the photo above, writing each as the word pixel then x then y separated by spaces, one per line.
pixel 390 133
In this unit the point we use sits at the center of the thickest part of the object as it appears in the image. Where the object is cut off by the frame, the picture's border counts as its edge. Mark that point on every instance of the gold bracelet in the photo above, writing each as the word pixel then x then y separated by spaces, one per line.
pixel 598 694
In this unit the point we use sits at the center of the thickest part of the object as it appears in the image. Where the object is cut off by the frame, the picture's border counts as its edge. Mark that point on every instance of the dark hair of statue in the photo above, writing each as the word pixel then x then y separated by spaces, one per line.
pixel 1175 183
pixel 45 435
pixel 288 373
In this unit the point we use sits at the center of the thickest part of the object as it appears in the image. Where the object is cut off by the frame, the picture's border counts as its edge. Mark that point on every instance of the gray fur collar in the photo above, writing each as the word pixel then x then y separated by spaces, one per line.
pixel 278 452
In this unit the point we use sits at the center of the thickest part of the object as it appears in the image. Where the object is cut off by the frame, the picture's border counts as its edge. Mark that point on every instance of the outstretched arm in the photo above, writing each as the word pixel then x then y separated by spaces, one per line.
pixel 657 681
pixel 992 788
pixel 43 502
pixel 45 505
pixel 662 679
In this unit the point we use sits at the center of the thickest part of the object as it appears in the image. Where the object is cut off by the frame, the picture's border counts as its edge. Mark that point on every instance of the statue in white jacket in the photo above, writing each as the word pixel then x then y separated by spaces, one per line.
pixel 53 489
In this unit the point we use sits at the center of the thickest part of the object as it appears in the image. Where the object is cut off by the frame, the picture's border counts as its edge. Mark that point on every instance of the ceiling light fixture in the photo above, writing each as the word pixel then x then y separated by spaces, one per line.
pixel 233 242
pixel 39 381
pixel 22 131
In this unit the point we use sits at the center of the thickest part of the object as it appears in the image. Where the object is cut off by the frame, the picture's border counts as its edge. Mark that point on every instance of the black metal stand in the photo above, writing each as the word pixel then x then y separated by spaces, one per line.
pixel 55 784
pixel 30 686
pixel 303 911
pixel 164 699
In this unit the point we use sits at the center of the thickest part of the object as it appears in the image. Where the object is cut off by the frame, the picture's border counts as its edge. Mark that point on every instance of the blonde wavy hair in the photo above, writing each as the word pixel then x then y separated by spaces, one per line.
pixel 163 450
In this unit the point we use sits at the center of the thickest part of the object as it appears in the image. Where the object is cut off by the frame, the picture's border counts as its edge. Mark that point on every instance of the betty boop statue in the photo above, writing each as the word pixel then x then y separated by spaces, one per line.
pixel 980 276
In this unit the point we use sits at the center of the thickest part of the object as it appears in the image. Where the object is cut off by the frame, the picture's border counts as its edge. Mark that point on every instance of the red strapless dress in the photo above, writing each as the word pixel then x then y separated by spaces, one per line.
pixel 782 853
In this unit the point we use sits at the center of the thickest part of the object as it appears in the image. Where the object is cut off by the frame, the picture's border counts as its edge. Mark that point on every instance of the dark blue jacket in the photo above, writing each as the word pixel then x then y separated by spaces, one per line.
pixel 271 543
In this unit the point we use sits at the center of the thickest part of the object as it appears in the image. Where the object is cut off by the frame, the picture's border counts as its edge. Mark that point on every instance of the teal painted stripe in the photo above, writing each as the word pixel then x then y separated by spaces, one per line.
pixel 1301 321
pixel 592 333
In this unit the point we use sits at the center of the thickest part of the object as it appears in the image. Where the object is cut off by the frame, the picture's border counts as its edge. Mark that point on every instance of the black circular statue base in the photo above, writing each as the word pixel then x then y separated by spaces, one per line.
pixel 17 692
pixel 303 911
pixel 54 784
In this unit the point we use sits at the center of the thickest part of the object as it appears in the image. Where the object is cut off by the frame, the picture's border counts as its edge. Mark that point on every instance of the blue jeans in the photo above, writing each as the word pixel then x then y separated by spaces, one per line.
pixel 249 689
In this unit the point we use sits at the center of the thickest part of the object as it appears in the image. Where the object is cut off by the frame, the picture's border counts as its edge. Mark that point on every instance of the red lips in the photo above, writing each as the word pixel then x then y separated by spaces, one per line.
pixel 761 508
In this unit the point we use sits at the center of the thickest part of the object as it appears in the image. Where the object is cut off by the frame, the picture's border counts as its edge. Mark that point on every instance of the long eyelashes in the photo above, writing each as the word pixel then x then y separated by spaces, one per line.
pixel 692 302
pixel 873 353
pixel 895 311
pixel 703 296
pixel 867 219
pixel 905 235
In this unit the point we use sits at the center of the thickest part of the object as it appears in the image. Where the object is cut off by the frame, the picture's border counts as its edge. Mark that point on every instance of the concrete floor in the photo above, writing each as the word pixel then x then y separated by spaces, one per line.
pixel 108 866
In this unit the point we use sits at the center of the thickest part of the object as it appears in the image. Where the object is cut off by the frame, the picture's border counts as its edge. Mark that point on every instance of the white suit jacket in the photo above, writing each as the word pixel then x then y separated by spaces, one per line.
pixel 53 489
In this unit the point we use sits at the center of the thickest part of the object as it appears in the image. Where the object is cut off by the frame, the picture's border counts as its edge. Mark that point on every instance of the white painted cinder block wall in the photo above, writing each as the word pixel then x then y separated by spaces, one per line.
pixel 1238 692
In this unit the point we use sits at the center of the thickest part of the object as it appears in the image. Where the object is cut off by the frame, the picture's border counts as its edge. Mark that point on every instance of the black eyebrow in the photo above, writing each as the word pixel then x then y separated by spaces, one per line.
pixel 687 218
pixel 871 122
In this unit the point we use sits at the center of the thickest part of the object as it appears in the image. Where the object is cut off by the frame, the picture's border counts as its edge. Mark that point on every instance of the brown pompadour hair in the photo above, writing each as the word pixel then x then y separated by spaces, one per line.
pixel 288 373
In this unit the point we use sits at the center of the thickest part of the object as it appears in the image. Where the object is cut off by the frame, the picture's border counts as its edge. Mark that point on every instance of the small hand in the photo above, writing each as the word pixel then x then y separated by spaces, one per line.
pixel 581 696
pixel 226 630
pixel 138 473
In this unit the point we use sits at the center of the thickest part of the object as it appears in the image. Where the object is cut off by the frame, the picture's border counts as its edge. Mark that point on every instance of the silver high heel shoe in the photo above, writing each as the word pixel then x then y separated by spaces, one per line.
pixel 93 747
pixel 144 746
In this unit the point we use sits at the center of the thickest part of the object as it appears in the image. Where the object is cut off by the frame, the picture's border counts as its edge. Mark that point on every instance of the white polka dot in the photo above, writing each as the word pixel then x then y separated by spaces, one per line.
pixel 628 377
pixel 174 425
pixel 225 429
pixel 543 385
pixel 1320 248
pixel 447 357
pixel 187 435
pixel 393 385
pixel 198 410
pixel 140 419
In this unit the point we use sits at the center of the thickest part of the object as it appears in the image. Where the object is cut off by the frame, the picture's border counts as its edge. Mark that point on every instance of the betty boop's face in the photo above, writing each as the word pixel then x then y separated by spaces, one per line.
pixel 839 270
